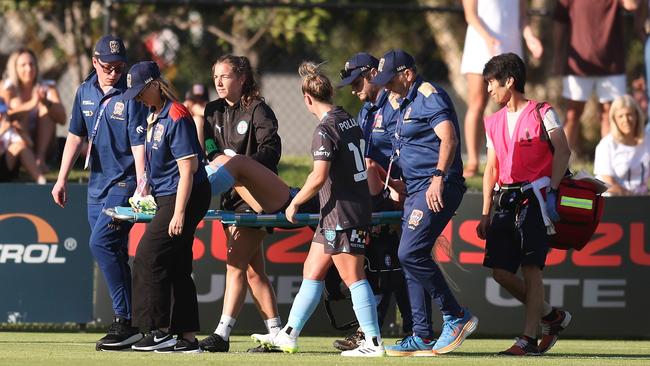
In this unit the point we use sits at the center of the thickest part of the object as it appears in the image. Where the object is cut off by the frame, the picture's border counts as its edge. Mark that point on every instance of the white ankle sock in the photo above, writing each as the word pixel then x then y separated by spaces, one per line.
pixel 225 326
pixel 273 325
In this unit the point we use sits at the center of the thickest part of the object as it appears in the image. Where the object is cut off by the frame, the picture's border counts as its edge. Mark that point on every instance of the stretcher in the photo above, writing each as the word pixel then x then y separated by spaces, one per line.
pixel 252 219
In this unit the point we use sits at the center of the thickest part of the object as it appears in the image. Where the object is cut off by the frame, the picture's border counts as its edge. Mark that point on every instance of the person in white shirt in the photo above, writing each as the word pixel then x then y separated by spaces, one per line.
pixel 623 156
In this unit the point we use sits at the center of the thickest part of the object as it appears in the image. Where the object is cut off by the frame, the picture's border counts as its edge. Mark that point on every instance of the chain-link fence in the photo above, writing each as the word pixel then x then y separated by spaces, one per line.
pixel 186 37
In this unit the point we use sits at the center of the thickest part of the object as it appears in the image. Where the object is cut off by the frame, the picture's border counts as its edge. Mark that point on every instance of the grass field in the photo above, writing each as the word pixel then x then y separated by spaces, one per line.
pixel 78 349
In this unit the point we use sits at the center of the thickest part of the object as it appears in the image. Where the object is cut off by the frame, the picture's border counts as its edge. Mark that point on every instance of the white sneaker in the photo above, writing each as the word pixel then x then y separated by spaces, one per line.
pixel 367 348
pixel 285 342
pixel 262 338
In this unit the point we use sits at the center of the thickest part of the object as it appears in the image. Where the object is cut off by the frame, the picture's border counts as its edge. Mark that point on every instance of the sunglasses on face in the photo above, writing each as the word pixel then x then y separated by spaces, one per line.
pixel 109 69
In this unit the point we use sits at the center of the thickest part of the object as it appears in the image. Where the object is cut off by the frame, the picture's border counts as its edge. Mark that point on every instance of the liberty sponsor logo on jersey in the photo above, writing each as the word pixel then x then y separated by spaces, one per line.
pixel 321 152
pixel 347 124
pixel 242 127
pixel 118 111
pixel 158 132
pixel 415 218
pixel 87 102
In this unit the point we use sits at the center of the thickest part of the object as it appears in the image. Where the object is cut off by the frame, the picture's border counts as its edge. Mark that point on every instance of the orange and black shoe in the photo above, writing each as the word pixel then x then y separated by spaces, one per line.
pixel 524 346
pixel 552 325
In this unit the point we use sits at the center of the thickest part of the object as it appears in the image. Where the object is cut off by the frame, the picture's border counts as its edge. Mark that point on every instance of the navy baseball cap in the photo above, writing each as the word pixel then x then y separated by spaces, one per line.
pixel 110 49
pixel 390 64
pixel 3 106
pixel 139 76
pixel 355 66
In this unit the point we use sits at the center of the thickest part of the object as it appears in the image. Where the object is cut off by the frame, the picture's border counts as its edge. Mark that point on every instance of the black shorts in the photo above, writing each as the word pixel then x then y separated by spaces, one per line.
pixel 352 240
pixel 509 248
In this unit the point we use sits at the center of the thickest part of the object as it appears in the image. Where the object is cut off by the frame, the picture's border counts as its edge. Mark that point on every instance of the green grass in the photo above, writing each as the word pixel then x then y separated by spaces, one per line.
pixel 78 349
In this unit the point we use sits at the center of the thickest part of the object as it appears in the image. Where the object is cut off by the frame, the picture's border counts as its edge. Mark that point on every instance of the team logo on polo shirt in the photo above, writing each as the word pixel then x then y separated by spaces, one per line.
pixel 407 114
pixel 414 219
pixel 118 110
pixel 115 46
pixel 158 132
pixel 379 119
pixel 242 127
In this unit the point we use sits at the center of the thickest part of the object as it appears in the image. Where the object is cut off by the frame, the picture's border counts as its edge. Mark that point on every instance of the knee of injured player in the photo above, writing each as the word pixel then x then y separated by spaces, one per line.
pixel 221 180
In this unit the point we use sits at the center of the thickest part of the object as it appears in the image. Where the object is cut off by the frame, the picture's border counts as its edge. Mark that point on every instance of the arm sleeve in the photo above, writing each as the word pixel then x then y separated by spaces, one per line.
pixel 323 145
pixel 438 108
pixel 137 123
pixel 269 145
pixel 182 138
pixel 551 120
pixel 77 123
pixel 603 160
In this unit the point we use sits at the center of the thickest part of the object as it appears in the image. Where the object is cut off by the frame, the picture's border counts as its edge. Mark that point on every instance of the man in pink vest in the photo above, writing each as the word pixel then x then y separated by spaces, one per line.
pixel 526 160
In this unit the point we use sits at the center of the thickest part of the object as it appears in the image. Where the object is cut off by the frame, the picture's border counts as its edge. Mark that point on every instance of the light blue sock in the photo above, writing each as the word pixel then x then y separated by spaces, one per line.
pixel 220 179
pixel 304 305
pixel 365 308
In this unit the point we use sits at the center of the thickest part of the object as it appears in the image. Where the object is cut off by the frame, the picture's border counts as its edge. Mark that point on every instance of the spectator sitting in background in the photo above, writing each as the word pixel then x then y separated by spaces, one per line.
pixel 35 104
pixel 12 148
pixel 623 156
pixel 195 100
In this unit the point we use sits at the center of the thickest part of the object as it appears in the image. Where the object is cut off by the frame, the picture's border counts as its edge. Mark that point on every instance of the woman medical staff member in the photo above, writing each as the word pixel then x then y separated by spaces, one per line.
pixel 165 303
pixel 243 124
pixel 339 177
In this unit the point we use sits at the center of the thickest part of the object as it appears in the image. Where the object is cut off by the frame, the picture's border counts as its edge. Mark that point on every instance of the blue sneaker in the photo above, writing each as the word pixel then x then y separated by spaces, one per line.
pixel 454 331
pixel 409 346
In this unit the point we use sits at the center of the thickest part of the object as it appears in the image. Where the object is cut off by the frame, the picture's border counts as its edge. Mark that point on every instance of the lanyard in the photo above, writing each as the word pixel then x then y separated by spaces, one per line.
pixel 93 134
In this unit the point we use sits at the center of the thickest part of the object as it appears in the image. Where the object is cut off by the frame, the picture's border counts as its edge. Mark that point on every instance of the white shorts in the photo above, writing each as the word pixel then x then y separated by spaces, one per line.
pixel 579 88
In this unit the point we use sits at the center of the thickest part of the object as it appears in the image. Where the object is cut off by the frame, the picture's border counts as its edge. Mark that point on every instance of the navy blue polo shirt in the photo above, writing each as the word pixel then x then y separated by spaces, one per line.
pixel 378 121
pixel 172 136
pixel 121 126
pixel 425 106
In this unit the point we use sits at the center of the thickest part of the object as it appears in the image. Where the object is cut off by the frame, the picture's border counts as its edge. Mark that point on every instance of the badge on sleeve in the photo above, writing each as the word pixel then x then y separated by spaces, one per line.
pixel 242 127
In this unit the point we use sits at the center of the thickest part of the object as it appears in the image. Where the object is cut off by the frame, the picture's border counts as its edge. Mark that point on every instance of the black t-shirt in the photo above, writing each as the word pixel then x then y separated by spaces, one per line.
pixel 250 131
pixel 345 198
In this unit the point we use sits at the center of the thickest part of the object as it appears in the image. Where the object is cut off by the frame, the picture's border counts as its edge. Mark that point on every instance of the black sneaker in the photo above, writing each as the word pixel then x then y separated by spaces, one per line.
pixel 214 343
pixel 262 349
pixel 182 346
pixel 121 335
pixel 157 339
pixel 350 342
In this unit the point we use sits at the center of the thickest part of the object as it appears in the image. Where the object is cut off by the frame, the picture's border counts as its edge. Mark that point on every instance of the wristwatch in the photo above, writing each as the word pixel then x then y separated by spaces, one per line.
pixel 439 173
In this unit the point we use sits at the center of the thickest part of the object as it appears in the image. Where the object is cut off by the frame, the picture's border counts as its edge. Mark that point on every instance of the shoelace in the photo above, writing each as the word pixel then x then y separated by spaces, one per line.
pixel 407 341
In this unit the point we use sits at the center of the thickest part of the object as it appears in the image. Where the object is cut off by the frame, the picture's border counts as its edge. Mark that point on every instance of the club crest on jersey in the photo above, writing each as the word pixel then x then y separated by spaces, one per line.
pixel 158 133
pixel 118 109
pixel 407 114
pixel 115 46
pixel 242 127
pixel 415 218
pixel 379 119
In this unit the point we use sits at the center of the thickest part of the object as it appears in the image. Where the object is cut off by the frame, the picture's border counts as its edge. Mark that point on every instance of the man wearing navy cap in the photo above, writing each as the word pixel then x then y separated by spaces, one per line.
pixel 377 119
pixel 114 128
pixel 427 144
